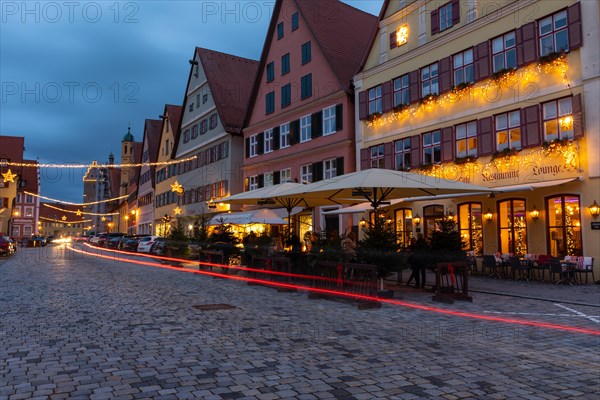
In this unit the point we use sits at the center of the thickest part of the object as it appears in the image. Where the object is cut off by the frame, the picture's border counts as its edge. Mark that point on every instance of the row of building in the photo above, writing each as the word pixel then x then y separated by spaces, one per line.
pixel 502 94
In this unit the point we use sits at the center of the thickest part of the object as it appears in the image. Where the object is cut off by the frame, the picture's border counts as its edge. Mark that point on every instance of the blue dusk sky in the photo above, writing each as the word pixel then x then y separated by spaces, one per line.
pixel 75 74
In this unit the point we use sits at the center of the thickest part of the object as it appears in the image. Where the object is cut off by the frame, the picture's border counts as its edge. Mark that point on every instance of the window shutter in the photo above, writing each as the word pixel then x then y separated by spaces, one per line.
pixel 447 144
pixel 481 61
pixel 455 12
pixel 445 74
pixel 413 79
pixel 317 170
pixel 415 151
pixel 316 129
pixel 363 105
pixel 530 126
pixel 339 166
pixel 577 117
pixel 485 138
pixel 388 155
pixel 247 148
pixel 387 96
pixel 339 117
pixel 526 44
pixel 393 42
pixel 294 132
pixel 261 143
pixel 575 33
pixel 276 137
pixel 365 158
pixel 435 22
pixel 276 177
pixel 261 181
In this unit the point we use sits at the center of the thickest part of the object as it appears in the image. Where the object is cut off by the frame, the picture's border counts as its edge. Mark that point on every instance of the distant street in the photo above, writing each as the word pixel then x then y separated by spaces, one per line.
pixel 78 327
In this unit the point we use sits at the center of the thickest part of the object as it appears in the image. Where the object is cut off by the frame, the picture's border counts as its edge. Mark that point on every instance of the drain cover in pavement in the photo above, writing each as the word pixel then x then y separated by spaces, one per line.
pixel 213 307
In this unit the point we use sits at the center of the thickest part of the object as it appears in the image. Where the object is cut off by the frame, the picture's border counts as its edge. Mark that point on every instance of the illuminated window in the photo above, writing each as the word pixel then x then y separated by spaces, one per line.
pixel 404 226
pixel 512 227
pixel 564 226
pixel 508 131
pixel 377 157
pixel 429 80
pixel 466 140
pixel 401 91
pixel 431 215
pixel 432 149
pixel 470 225
pixel 558 119
pixel 504 52
pixel 554 36
pixel 463 67
pixel 402 153
pixel 375 104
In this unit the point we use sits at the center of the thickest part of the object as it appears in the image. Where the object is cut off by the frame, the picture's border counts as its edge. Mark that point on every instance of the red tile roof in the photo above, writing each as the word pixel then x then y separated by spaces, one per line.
pixel 230 79
pixel 174 117
pixel 152 128
pixel 30 176
pixel 12 147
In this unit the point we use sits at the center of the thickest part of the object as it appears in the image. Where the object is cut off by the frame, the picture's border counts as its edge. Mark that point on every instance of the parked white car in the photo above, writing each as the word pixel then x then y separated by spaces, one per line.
pixel 145 244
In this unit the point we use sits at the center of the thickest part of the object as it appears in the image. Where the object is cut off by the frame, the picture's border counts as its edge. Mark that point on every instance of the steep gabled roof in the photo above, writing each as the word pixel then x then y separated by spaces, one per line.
pixel 30 176
pixel 12 147
pixel 373 36
pixel 152 131
pixel 175 113
pixel 230 79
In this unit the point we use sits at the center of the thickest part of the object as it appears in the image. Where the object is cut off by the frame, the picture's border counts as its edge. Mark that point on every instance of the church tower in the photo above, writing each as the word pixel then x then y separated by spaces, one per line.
pixel 126 158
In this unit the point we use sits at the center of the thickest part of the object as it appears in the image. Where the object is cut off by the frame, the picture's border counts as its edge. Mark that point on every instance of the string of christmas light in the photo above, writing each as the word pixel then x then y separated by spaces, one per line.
pixel 523 77
pixel 65 221
pixel 78 212
pixel 76 204
pixel 94 164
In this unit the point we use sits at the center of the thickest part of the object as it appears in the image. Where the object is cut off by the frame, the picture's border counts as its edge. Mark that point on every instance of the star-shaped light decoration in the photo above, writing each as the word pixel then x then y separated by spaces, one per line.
pixel 103 219
pixel 9 176
pixel 64 217
pixel 78 213
pixel 177 210
pixel 177 188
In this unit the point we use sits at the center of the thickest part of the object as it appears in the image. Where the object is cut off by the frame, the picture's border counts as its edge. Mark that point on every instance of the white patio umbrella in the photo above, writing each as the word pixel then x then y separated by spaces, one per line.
pixel 262 216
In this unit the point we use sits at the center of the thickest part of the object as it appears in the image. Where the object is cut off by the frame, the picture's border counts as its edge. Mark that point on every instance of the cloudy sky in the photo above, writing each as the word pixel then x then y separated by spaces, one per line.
pixel 75 74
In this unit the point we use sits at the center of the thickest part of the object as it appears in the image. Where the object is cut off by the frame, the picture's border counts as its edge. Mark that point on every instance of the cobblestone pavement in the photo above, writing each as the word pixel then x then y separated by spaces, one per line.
pixel 76 327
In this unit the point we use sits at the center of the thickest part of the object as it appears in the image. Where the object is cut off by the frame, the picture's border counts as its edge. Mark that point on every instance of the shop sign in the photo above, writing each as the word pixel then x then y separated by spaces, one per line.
pixel 595 225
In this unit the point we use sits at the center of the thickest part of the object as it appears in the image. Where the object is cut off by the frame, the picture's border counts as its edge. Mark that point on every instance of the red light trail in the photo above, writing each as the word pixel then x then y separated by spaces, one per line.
pixel 422 307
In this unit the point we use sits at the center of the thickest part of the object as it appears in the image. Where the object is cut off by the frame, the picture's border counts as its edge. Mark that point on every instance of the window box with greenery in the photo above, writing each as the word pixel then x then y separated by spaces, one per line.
pixel 427 100
pixel 506 153
pixel 374 117
pixel 427 167
pixel 503 74
pixel 465 160
pixel 461 87
pixel 549 58
pixel 400 108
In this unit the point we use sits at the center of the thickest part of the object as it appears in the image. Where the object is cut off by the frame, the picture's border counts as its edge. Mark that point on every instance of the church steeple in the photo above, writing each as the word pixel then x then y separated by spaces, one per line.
pixel 128 136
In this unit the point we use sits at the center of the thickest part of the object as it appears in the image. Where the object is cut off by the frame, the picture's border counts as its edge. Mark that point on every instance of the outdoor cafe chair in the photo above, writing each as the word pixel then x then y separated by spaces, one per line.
pixel 489 263
pixel 556 267
pixel 522 267
pixel 541 266
pixel 585 265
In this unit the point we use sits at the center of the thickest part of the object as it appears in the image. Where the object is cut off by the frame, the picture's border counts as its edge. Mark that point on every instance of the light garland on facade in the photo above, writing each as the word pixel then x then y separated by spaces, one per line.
pixel 65 221
pixel 94 164
pixel 76 204
pixel 78 212
pixel 523 76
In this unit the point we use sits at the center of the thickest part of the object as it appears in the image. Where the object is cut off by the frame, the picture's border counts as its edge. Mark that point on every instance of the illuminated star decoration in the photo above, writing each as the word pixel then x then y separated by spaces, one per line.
pixel 177 188
pixel 103 219
pixel 78 213
pixel 177 210
pixel 64 218
pixel 9 176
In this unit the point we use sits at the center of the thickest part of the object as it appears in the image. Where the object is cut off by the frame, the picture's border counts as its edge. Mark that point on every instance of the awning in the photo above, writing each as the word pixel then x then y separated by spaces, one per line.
pixel 359 208
pixel 282 212
pixel 263 216
pixel 535 185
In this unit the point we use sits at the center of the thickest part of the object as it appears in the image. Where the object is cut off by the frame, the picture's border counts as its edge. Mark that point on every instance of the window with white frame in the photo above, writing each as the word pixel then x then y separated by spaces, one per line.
pixel 28 199
pixel 268 179
pixel 284 135
pixel 18 197
pixel 445 15
pixel 401 91
pixel 305 128
pixel 508 131
pixel 253 182
pixel 269 141
pixel 558 119
pixel 554 36
pixel 377 157
pixel 466 140
pixel 402 153
pixel 27 230
pixel 306 173
pixel 329 168
pixel 329 120
pixel 504 52
pixel 375 102
pixel 432 149
pixel 253 146
pixel 463 67
pixel 28 212
pixel 285 175
pixel 429 80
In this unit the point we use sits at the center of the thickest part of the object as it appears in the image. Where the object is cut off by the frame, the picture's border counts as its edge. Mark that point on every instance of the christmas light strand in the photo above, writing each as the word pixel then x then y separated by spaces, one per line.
pixel 94 164
pixel 77 204
pixel 66 222
pixel 78 212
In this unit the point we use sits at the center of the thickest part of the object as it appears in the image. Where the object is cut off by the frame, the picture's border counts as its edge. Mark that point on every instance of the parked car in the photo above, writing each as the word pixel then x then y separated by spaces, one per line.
pixel 94 239
pixel 7 245
pixel 145 244
pixel 50 239
pixel 106 237
pixel 114 242
pixel 37 241
pixel 158 248
pixel 130 243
